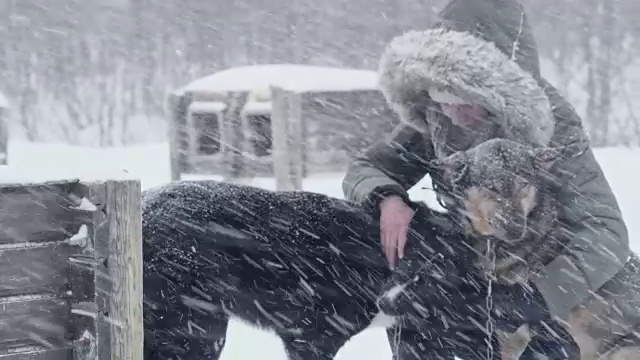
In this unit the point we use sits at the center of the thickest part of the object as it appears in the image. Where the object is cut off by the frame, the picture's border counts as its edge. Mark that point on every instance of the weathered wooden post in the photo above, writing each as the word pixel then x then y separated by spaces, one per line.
pixel 4 130
pixel 116 289
pixel 177 106
pixel 234 161
pixel 287 130
pixel 71 271
pixel 296 139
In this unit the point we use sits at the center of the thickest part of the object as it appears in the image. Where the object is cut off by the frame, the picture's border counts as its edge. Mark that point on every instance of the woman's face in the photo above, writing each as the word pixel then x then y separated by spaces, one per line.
pixel 460 111
pixel 464 115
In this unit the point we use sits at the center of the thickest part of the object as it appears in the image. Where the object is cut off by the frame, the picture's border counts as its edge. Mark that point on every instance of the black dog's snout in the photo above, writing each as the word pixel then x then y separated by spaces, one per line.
pixel 397 293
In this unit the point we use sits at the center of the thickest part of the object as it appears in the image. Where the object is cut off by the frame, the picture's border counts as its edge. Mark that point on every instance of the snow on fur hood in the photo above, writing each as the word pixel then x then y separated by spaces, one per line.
pixel 482 51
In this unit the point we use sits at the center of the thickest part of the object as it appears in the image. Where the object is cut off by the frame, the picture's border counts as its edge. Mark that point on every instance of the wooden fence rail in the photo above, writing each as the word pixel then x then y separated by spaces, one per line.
pixel 71 271
pixel 4 130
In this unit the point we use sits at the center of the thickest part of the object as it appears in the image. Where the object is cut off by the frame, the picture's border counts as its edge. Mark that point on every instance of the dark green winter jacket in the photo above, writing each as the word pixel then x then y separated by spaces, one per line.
pixel 484 51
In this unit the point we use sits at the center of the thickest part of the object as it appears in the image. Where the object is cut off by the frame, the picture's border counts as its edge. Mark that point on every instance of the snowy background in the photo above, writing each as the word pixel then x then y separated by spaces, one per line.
pixel 96 72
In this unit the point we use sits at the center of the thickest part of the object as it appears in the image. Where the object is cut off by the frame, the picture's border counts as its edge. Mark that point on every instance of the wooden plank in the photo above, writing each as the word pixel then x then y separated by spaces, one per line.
pixel 178 138
pixel 35 269
pixel 88 307
pixel 124 211
pixel 4 137
pixel 40 354
pixel 296 140
pixel 233 136
pixel 39 318
pixel 40 212
pixel 280 137
pixel 304 138
pixel 107 285
pixel 85 320
pixel 27 348
pixel 85 310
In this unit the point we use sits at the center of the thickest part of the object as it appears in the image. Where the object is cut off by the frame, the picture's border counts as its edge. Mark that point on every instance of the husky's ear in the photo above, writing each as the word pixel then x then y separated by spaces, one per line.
pixel 453 167
pixel 546 158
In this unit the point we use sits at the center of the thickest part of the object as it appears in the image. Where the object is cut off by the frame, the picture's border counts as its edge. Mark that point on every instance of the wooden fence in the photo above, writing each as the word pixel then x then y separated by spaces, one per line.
pixel 320 131
pixel 4 131
pixel 71 271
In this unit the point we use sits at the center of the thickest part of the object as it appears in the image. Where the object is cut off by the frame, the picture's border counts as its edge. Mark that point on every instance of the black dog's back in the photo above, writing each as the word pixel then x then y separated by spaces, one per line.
pixel 182 218
pixel 242 208
pixel 289 261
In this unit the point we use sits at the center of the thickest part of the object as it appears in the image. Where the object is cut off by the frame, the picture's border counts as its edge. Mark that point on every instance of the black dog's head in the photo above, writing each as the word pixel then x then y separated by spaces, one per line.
pixel 437 260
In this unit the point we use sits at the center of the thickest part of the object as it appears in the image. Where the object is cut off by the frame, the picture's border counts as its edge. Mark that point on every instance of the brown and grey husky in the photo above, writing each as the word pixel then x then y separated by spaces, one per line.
pixel 507 195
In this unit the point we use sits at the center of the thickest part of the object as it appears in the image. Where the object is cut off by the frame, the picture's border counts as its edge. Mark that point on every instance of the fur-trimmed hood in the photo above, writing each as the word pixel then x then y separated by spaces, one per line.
pixel 477 57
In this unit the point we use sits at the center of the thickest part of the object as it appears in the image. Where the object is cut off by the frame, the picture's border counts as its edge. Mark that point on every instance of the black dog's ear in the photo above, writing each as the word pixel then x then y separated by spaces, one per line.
pixel 420 207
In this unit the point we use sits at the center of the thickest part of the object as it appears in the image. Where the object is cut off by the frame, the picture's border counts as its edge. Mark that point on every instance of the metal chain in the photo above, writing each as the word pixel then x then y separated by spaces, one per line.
pixel 490 277
pixel 397 340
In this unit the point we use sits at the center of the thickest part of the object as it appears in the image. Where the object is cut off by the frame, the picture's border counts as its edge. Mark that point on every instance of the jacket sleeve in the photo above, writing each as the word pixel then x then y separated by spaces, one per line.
pixel 393 165
pixel 589 211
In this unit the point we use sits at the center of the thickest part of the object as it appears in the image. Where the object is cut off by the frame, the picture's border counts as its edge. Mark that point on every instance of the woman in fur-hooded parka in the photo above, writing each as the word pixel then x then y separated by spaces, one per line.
pixel 484 51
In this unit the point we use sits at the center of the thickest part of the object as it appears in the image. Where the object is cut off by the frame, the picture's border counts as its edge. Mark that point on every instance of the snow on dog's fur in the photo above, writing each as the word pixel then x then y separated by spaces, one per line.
pixel 304 265
pixel 504 191
pixel 506 194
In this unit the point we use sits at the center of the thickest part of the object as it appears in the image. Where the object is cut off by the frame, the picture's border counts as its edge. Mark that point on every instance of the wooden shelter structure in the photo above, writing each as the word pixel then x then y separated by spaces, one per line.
pixel 251 121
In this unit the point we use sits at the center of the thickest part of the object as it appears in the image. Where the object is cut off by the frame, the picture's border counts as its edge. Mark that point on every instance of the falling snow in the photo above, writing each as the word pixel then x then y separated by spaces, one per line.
pixel 235 269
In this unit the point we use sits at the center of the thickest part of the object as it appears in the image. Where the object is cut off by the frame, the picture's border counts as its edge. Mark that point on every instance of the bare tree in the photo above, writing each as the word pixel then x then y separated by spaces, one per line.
pixel 152 47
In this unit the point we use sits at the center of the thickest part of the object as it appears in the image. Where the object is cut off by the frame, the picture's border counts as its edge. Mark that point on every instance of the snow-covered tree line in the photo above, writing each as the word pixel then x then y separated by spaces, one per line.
pixel 96 73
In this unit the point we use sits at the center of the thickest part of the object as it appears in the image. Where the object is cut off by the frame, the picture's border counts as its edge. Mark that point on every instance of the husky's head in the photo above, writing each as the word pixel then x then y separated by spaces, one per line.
pixel 498 185
pixel 503 191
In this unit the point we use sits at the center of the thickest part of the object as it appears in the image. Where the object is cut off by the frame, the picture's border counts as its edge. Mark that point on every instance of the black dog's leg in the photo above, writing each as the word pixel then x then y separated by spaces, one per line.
pixel 177 325
pixel 414 344
pixel 551 343
pixel 321 348
pixel 410 341
pixel 185 348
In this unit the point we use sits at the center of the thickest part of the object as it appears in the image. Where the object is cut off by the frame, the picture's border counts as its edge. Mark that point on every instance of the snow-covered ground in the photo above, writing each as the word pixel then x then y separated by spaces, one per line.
pixel 150 164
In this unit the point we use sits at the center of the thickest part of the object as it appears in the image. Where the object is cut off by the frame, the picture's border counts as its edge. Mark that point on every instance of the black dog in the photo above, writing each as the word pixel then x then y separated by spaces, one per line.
pixel 306 265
